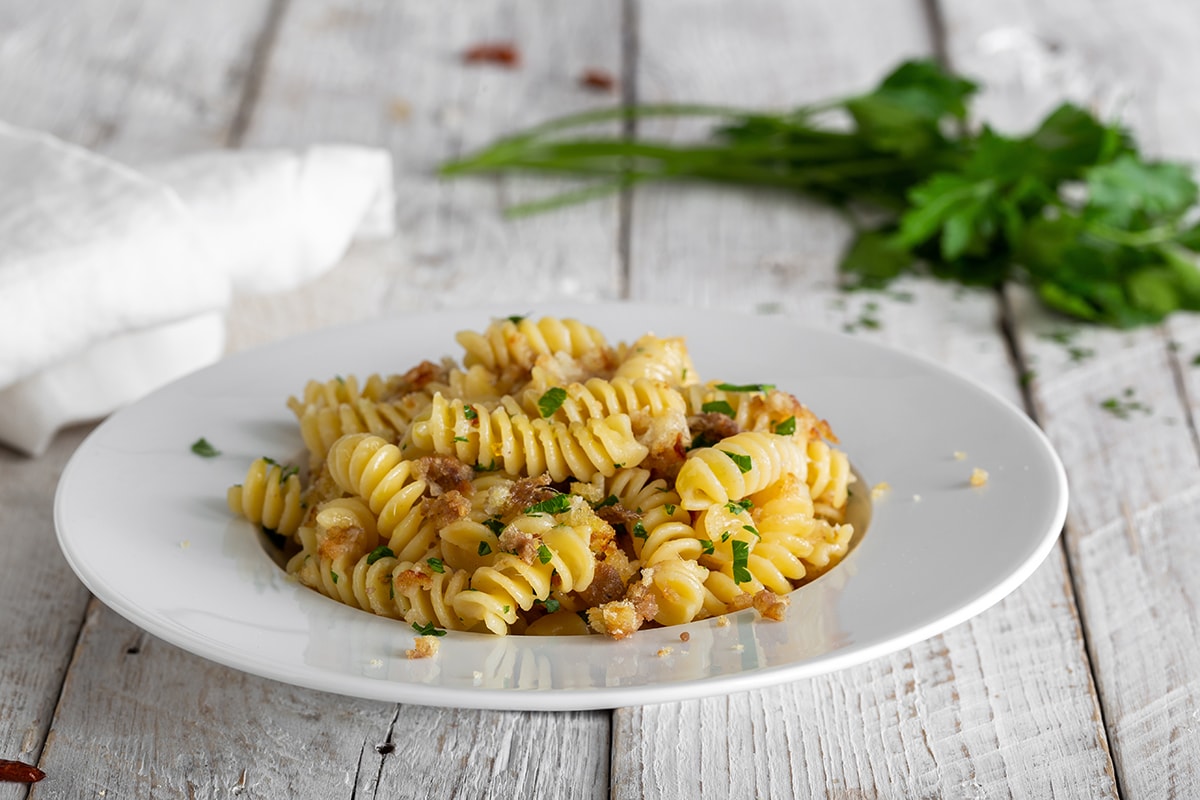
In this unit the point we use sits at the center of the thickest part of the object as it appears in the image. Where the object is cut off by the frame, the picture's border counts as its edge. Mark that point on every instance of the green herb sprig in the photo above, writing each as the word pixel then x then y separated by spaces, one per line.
pixel 1071 209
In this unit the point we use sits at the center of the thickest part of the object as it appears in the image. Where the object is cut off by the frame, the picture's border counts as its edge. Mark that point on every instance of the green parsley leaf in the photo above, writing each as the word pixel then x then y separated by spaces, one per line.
pixel 470 413
pixel 551 604
pixel 551 401
pixel 744 463
pixel 707 546
pixel 436 565
pixel 461 439
pixel 745 387
pixel 333 576
pixel 544 554
pixel 516 319
pixel 383 551
pixel 738 506
pixel 428 629
pixel 492 467
pixel 639 530
pixel 202 448
pixel 741 561
pixel 717 407
pixel 484 549
pixel 670 509
pixel 494 524
pixel 611 500
pixel 785 427
pixel 752 529
pixel 553 505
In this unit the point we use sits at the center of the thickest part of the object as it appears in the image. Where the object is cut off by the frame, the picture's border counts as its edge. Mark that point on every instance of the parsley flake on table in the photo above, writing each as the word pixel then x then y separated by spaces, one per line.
pixel 202 448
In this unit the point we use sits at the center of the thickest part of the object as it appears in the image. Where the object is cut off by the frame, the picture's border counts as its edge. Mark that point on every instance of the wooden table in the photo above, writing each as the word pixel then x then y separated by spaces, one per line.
pixel 1085 682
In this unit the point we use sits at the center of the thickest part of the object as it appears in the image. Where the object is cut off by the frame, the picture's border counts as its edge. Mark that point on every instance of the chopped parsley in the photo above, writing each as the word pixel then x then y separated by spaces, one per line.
pixel 1122 407
pixel 707 546
pixel 738 506
pixel 436 565
pixel 428 629
pixel 611 500
pixel 703 440
pixel 485 467
pixel 288 472
pixel 744 463
pixel 717 407
pixel 670 508
pixel 202 448
pixel 383 551
pixel 333 576
pixel 485 549
pixel 461 439
pixel 752 529
pixel 495 525
pixel 470 413
pixel 741 561
pixel 554 505
pixel 544 554
pixel 639 530
pixel 551 604
pixel 785 428
pixel 551 401
pixel 516 319
pixel 745 387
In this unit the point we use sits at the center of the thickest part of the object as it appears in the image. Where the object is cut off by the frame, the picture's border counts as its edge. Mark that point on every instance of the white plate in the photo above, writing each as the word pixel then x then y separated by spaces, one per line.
pixel 143 522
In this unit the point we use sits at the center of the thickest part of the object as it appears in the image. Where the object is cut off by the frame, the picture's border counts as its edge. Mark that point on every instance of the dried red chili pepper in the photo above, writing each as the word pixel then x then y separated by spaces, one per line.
pixel 597 79
pixel 503 53
pixel 19 772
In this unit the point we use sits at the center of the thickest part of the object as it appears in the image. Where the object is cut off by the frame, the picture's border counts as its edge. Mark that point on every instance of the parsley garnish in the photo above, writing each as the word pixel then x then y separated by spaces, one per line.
pixel 738 506
pixel 516 319
pixel 333 576
pixel 1125 405
pixel 495 525
pixel 670 509
pixel 752 529
pixel 485 549
pixel 428 629
pixel 288 472
pixel 744 463
pixel 544 554
pixel 611 500
pixel 639 530
pixel 383 551
pixel 717 407
pixel 470 413
pixel 554 505
pixel 785 428
pixel 461 439
pixel 707 546
pixel 745 387
pixel 703 440
pixel 1072 208
pixel 551 401
pixel 551 604
pixel 485 467
pixel 202 448
pixel 741 560
pixel 436 565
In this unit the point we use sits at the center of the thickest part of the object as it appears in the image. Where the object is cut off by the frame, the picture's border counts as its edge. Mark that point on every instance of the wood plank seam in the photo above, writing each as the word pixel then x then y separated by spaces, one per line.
pixel 260 56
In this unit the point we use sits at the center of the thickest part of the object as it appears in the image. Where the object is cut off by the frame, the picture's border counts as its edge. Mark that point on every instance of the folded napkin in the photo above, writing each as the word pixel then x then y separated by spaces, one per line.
pixel 114 281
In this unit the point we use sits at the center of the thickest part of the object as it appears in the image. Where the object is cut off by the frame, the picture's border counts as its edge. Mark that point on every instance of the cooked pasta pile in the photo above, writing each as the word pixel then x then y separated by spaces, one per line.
pixel 553 484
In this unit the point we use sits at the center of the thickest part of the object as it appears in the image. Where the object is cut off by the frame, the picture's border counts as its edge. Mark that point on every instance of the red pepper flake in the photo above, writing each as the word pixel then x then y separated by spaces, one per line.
pixel 19 772
pixel 502 53
pixel 597 79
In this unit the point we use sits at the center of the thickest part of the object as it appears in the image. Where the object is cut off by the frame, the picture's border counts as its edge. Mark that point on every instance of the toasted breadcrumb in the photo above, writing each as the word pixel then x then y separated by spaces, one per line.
pixel 423 647
pixel 979 477
pixel 880 489
pixel 740 601
pixel 959 455
pixel 618 619
pixel 771 605
pixel 663 652
pixel 722 621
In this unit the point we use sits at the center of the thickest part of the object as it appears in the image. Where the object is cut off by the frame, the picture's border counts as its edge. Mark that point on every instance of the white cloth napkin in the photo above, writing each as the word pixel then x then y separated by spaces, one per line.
pixel 115 281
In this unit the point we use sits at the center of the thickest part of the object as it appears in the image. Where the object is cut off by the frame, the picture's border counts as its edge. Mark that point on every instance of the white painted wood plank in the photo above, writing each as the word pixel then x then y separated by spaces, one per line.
pixel 1131 529
pixel 392 75
pixel 136 80
pixel 41 599
pixel 957 715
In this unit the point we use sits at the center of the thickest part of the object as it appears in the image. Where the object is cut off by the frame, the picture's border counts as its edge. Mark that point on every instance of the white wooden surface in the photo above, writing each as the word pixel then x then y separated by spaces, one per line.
pixel 1083 683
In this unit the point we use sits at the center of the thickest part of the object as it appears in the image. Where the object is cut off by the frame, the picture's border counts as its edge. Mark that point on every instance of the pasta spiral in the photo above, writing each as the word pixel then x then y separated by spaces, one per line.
pixel 658 359
pixel 564 562
pixel 519 445
pixel 737 466
pixel 508 343
pixel 269 495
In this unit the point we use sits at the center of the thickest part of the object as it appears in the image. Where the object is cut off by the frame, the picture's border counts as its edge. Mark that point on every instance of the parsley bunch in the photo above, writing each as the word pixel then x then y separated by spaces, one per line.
pixel 1072 209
